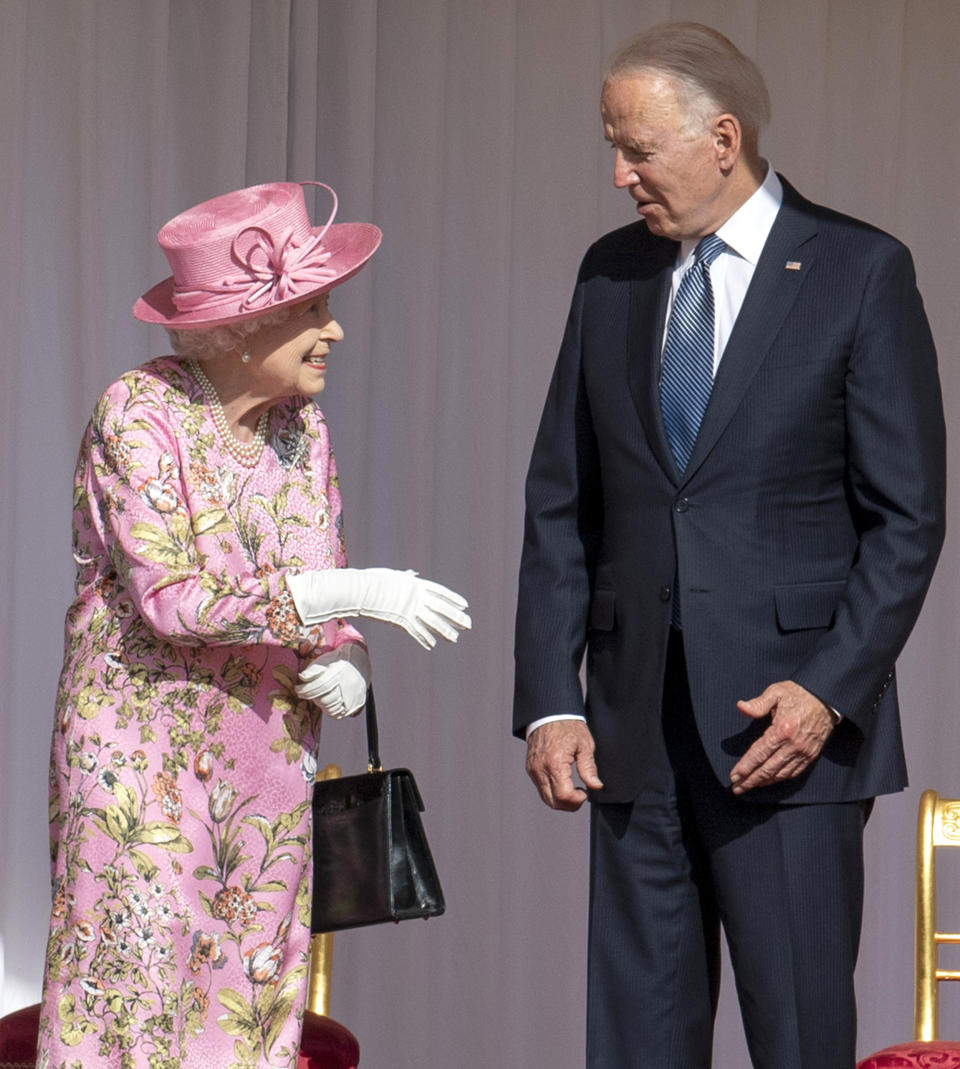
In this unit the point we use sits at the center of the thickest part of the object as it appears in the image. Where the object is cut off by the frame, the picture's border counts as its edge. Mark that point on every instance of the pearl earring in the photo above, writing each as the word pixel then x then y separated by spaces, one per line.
pixel 245 358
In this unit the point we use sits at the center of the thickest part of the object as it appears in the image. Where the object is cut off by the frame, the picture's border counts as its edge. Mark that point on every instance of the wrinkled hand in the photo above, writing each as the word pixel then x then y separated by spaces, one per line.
pixel 799 726
pixel 552 750
pixel 425 610
pixel 337 681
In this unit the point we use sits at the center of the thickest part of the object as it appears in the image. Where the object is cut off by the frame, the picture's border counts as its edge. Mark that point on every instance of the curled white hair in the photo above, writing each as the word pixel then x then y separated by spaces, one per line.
pixel 204 343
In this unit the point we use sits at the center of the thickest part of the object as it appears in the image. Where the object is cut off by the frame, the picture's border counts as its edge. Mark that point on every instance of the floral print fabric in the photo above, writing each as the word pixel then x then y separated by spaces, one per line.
pixel 182 761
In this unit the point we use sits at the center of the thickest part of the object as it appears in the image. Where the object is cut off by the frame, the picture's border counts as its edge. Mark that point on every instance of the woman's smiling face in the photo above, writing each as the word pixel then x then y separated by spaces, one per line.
pixel 290 358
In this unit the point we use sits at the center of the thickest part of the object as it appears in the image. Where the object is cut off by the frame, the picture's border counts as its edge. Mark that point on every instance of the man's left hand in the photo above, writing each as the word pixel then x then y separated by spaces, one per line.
pixel 799 726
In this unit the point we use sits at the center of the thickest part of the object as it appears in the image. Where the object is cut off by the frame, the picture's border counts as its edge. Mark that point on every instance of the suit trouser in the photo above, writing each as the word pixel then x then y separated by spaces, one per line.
pixel 785 882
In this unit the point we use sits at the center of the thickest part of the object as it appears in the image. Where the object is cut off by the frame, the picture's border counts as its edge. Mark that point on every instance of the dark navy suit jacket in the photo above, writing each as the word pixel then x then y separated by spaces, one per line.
pixel 803 534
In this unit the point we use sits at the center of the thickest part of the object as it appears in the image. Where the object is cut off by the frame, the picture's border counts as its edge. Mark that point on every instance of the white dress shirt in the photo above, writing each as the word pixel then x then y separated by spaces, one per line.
pixel 744 233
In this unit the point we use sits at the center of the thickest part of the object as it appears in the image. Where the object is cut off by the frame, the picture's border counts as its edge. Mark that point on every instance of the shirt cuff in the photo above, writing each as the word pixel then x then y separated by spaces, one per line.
pixel 534 724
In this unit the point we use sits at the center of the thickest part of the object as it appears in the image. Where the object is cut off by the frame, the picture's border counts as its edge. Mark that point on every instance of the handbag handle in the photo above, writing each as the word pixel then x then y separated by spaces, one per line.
pixel 373 735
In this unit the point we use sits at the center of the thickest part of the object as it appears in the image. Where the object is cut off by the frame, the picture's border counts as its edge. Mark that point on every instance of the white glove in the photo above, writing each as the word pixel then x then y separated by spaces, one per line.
pixel 423 609
pixel 337 681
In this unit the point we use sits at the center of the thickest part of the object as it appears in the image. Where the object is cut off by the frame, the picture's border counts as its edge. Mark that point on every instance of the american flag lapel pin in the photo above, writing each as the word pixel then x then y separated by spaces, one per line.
pixel 793 265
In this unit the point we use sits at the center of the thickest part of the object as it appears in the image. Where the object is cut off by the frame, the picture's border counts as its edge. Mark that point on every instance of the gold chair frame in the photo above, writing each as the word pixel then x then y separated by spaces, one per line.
pixel 938 824
pixel 321 944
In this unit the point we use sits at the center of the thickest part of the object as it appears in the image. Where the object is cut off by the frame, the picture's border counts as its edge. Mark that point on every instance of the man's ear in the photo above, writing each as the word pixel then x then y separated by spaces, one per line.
pixel 727 141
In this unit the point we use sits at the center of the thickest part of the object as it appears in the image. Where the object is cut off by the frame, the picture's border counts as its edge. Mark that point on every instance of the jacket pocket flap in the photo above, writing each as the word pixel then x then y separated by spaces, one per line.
pixel 806 605
pixel 603 610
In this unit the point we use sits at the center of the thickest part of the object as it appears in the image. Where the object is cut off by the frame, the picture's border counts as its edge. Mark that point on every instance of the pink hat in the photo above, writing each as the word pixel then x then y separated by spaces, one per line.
pixel 249 252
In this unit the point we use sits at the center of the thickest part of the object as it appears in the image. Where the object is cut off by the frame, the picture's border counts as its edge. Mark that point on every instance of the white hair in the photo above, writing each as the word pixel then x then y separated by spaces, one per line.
pixel 204 343
pixel 711 75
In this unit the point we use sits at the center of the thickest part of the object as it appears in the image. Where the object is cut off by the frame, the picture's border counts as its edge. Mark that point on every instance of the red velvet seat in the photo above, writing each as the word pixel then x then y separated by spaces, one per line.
pixel 18 1038
pixel 937 1054
pixel 327 1044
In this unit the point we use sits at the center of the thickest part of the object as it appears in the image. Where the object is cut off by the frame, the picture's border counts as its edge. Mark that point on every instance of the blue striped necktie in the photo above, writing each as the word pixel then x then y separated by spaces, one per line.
pixel 686 376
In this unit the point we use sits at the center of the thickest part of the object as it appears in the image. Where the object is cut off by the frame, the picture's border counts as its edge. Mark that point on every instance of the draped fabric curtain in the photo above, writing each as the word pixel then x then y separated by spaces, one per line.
pixel 470 133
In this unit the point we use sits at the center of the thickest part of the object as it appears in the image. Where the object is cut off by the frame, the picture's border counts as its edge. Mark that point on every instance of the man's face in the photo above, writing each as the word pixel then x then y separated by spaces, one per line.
pixel 671 169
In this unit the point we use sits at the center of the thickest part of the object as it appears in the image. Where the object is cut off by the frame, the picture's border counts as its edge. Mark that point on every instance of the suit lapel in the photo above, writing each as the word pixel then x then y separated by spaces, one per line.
pixel 648 305
pixel 773 289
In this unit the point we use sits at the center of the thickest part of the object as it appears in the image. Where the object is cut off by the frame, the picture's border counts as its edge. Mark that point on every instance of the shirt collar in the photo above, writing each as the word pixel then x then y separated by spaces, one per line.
pixel 747 230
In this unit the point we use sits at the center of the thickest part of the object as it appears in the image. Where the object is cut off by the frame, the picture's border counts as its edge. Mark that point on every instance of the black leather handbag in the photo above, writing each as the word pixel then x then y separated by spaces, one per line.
pixel 371 861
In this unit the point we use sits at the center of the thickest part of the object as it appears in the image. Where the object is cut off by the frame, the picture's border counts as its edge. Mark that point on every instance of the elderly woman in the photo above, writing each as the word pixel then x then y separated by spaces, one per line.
pixel 205 642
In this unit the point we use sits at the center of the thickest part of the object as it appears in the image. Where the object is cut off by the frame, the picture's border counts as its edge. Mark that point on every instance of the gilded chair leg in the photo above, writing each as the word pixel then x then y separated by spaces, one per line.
pixel 321 970
pixel 925 980
pixel 321 944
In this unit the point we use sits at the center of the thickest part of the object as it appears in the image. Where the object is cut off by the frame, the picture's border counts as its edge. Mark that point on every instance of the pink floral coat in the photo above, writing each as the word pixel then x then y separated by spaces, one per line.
pixel 182 760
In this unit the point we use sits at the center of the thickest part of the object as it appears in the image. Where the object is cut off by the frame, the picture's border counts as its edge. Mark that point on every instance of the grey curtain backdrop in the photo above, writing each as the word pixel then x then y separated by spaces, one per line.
pixel 470 133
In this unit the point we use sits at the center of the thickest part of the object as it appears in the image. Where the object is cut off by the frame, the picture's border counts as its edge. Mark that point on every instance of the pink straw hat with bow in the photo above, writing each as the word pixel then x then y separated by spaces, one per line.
pixel 249 252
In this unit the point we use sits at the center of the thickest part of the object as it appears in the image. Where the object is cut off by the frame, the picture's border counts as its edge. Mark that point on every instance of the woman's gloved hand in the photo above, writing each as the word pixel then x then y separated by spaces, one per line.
pixel 337 680
pixel 423 609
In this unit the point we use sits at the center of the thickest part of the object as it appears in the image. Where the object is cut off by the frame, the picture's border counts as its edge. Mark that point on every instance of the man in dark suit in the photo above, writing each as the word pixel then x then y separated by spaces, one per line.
pixel 742 557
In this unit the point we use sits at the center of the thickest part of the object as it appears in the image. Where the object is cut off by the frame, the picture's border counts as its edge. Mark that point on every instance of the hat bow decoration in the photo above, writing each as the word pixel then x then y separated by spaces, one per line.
pixel 274 271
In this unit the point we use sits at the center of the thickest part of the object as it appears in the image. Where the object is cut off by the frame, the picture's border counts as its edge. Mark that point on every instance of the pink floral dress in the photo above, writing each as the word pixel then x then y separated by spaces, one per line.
pixel 182 760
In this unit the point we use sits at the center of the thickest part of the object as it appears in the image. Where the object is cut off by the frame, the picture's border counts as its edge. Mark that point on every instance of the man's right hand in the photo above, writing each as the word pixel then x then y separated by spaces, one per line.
pixel 553 749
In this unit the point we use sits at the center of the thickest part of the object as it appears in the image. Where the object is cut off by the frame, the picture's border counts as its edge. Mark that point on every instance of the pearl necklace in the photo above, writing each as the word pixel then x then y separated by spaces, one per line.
pixel 245 453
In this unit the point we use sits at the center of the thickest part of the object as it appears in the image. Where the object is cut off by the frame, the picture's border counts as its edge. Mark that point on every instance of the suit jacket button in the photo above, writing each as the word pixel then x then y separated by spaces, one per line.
pixel 682 505
pixel 665 593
